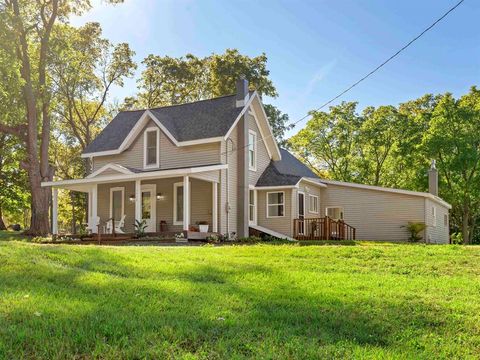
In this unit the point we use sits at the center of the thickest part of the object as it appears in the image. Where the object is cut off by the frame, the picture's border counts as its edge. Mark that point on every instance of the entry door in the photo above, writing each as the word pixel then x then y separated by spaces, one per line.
pixel 301 212
pixel 149 207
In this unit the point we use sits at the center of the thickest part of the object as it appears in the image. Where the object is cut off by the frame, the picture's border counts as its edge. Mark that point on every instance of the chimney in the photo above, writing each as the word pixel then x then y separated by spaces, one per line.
pixel 242 91
pixel 433 179
pixel 242 160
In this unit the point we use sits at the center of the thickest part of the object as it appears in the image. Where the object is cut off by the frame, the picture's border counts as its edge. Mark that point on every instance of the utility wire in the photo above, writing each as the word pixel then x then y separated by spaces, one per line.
pixel 367 75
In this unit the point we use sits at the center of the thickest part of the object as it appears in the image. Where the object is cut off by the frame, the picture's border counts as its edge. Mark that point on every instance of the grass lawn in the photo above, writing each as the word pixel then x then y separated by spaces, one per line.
pixel 262 301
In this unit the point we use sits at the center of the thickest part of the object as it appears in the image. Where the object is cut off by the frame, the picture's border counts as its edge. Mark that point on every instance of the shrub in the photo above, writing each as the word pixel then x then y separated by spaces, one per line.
pixel 140 227
pixel 457 238
pixel 249 239
pixel 415 228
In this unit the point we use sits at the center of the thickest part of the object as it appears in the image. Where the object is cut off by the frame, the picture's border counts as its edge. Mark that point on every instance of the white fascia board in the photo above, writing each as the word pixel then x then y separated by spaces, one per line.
pixel 100 153
pixel 245 108
pixel 274 141
pixel 313 182
pixel 136 176
pixel 261 132
pixel 200 141
pixel 391 190
pixel 132 135
pixel 110 166
pixel 277 187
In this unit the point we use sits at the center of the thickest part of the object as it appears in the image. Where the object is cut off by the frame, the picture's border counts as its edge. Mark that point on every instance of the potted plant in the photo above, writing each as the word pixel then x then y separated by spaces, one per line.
pixel 202 226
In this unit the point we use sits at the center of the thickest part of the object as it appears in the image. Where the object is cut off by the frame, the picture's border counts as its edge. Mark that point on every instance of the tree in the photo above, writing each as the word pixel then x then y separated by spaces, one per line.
pixel 169 81
pixel 329 141
pixel 452 139
pixel 27 28
pixel 378 138
pixel 84 67
pixel 13 182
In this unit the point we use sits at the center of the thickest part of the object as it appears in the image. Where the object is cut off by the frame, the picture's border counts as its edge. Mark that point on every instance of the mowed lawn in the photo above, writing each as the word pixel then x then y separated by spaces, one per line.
pixel 263 301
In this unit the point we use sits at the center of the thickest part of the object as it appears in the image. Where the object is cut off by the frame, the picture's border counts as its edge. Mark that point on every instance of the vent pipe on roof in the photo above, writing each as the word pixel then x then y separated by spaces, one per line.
pixel 242 91
pixel 433 179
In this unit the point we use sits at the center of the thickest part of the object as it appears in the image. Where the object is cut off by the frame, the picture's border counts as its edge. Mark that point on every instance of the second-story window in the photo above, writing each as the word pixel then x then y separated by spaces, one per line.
pixel 151 148
pixel 252 150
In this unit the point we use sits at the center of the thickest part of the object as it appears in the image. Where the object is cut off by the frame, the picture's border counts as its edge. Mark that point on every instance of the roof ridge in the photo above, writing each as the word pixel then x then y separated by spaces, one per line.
pixel 174 105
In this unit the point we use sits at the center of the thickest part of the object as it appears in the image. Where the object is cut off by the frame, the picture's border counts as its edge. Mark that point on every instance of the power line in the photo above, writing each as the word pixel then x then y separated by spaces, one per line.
pixel 369 74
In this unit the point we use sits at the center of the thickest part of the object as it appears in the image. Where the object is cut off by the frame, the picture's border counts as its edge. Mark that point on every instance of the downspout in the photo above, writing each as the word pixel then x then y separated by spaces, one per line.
pixel 228 182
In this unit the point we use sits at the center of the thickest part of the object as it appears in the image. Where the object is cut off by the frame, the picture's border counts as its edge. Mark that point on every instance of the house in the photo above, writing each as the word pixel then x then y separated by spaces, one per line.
pixel 216 162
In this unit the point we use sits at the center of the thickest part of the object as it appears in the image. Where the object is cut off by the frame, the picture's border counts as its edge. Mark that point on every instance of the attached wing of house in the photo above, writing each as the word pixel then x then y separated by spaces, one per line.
pixel 216 163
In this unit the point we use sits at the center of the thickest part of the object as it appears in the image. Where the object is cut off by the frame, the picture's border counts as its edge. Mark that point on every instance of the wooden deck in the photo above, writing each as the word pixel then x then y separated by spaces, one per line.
pixel 323 228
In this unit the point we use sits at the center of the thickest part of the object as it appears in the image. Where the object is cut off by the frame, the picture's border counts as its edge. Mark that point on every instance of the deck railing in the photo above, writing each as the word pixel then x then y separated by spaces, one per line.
pixel 324 228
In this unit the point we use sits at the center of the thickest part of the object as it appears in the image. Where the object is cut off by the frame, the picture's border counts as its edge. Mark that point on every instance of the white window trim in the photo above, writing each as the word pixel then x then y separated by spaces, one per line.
pixel 335 207
pixel 298 207
pixel 434 216
pixel 175 186
pixel 254 167
pixel 122 189
pixel 254 222
pixel 310 197
pixel 145 134
pixel 266 201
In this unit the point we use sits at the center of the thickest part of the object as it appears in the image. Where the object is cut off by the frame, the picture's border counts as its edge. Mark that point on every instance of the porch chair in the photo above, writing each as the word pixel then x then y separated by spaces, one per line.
pixel 118 226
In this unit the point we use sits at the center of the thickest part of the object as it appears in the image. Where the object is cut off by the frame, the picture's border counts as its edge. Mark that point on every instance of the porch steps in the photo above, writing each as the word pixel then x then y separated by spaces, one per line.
pixel 271 232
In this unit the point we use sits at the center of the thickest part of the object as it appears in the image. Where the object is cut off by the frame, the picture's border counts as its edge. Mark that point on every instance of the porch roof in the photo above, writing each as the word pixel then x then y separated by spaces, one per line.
pixel 84 184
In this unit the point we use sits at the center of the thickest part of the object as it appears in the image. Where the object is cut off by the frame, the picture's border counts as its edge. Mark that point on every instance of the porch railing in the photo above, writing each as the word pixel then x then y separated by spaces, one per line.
pixel 323 228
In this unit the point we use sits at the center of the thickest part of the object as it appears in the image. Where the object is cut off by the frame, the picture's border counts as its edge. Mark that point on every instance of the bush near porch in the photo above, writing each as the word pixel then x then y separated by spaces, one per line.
pixel 261 301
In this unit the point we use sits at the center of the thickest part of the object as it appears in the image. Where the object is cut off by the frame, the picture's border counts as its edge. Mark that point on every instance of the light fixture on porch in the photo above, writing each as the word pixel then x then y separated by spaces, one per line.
pixel 160 196
pixel 132 198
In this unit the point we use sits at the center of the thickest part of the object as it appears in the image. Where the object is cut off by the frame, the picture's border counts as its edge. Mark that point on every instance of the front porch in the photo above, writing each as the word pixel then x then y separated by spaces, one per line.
pixel 165 202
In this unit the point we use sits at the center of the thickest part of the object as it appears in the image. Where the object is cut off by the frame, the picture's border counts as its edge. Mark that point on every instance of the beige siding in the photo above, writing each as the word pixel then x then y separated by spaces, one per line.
pixel 201 202
pixel 230 197
pixel 212 176
pixel 171 156
pixel 104 203
pixel 309 189
pixel 278 224
pixel 263 159
pixel 437 232
pixel 376 215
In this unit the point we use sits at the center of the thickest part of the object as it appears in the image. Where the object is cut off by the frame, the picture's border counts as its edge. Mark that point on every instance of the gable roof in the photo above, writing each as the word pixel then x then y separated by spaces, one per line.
pixel 198 120
pixel 287 171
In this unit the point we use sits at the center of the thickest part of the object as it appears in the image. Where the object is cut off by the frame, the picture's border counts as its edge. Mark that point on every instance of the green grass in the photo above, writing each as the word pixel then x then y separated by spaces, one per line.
pixel 262 301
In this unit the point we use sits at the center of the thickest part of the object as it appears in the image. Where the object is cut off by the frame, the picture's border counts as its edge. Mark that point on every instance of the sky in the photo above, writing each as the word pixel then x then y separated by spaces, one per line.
pixel 315 49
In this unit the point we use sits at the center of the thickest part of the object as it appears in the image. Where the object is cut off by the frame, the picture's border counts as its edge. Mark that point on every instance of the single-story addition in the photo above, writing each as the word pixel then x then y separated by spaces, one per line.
pixel 214 166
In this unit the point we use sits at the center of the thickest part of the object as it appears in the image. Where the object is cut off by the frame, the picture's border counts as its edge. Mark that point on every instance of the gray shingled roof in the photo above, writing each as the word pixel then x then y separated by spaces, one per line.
pixel 287 171
pixel 192 121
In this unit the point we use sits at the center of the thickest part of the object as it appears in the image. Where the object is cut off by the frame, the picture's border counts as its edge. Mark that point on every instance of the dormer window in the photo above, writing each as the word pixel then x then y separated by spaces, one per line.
pixel 151 148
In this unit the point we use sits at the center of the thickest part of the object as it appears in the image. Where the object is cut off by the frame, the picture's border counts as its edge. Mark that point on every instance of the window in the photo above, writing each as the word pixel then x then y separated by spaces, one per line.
pixel 334 212
pixel 151 148
pixel 178 203
pixel 252 208
pixel 117 203
pixel 252 150
pixel 445 220
pixel 434 216
pixel 146 204
pixel 275 204
pixel 313 208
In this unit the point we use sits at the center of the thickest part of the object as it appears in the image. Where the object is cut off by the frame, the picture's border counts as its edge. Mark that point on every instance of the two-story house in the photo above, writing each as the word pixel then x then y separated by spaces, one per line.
pixel 217 161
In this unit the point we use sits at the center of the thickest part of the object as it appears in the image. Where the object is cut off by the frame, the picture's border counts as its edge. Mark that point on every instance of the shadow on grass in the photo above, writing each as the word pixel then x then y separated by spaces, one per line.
pixel 203 309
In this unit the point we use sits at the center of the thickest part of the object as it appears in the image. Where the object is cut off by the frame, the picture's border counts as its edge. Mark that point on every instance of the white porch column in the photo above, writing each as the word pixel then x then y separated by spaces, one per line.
pixel 214 207
pixel 94 211
pixel 138 200
pixel 54 211
pixel 186 203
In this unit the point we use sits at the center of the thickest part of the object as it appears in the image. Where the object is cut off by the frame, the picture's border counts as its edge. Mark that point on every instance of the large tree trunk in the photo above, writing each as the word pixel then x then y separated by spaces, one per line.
pixel 2 224
pixel 39 221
